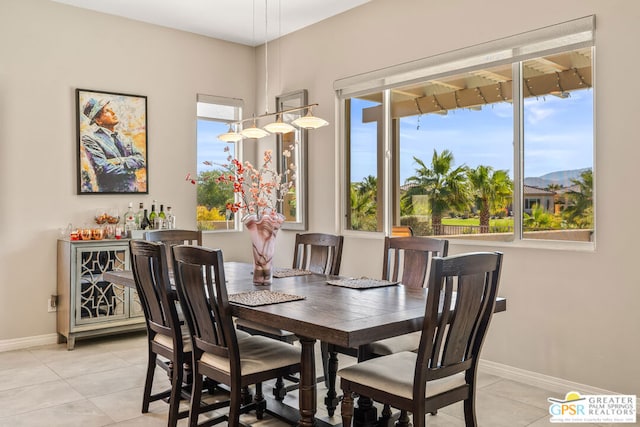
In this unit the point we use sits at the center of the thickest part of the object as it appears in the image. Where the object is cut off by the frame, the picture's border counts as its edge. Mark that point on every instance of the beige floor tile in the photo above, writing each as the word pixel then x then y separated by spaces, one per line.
pixel 85 364
pixel 81 413
pixel 497 411
pixel 17 359
pixel 520 392
pixel 127 404
pixel 29 398
pixel 21 377
pixel 124 378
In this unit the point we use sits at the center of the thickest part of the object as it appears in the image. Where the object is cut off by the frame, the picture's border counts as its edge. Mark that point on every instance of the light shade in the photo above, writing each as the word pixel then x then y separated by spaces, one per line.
pixel 253 132
pixel 279 126
pixel 309 121
pixel 230 136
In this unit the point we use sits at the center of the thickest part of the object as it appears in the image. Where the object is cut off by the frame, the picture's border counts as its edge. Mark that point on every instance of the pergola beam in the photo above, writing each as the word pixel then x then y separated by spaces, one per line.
pixel 541 85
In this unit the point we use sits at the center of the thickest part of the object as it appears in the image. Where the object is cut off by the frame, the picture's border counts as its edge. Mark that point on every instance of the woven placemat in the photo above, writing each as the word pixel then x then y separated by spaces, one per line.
pixel 290 272
pixel 361 283
pixel 256 298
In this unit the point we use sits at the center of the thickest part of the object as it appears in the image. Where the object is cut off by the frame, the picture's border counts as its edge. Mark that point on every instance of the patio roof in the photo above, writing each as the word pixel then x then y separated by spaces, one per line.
pixel 557 75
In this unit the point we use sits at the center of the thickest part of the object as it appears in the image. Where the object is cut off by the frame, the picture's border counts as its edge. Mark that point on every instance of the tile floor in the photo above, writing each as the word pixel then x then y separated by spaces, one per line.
pixel 100 384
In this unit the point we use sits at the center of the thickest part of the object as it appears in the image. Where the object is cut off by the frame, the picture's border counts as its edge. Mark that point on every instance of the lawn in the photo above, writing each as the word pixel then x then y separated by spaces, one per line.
pixel 499 222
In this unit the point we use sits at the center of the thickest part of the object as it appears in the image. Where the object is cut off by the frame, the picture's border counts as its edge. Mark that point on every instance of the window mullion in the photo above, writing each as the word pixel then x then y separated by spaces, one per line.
pixel 518 149
pixel 387 159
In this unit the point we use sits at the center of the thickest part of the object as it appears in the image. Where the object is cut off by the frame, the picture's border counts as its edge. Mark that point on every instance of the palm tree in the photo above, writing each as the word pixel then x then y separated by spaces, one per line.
pixel 363 208
pixel 491 189
pixel 369 185
pixel 445 186
pixel 580 209
pixel 539 219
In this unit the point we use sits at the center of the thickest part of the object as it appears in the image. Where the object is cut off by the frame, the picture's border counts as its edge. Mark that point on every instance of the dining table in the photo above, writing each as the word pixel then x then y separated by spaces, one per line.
pixel 317 310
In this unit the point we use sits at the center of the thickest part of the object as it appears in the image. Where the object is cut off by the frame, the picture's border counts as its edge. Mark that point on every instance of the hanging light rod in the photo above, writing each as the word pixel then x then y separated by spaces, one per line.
pixel 308 121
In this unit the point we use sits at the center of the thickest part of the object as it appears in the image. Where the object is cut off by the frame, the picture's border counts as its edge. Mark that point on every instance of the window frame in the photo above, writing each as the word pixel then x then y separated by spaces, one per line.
pixel 575 34
pixel 238 105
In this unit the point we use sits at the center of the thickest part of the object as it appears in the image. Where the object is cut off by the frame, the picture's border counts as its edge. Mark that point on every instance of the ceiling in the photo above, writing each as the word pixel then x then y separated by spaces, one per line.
pixel 239 21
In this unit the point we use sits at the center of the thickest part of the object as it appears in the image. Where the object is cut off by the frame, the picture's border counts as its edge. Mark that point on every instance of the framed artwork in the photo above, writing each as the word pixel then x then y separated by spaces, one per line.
pixel 112 142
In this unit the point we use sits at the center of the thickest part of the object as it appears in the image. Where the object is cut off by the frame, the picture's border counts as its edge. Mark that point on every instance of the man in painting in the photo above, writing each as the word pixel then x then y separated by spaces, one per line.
pixel 114 158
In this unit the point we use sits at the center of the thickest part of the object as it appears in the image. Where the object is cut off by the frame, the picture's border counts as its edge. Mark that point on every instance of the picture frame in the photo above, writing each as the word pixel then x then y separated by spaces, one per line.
pixel 112 143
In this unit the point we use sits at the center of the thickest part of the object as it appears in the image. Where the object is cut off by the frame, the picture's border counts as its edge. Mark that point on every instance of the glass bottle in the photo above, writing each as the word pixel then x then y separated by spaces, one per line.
pixel 129 221
pixel 162 218
pixel 144 222
pixel 139 216
pixel 152 215
pixel 171 219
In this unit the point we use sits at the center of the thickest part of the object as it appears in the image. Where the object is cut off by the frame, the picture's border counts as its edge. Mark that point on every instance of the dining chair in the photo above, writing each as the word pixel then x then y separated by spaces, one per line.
pixel 317 252
pixel 401 231
pixel 174 237
pixel 166 336
pixel 459 307
pixel 217 352
pixel 405 260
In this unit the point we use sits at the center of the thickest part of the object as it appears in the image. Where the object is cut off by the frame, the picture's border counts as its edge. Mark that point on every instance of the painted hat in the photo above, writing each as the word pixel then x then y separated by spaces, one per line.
pixel 92 108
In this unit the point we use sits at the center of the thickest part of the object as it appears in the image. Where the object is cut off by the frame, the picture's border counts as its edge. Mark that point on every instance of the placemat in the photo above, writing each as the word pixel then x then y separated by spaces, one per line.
pixel 290 272
pixel 256 298
pixel 361 283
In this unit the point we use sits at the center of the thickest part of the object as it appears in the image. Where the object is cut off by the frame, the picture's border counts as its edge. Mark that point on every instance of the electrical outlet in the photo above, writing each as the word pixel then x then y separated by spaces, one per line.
pixel 51 306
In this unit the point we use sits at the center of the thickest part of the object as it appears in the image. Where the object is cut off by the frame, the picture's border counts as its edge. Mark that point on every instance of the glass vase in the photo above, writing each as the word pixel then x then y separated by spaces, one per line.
pixel 263 230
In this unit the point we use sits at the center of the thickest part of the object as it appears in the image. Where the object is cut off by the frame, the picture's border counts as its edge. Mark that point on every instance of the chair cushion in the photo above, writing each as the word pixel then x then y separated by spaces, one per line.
pixel 262 328
pixel 166 341
pixel 407 342
pixel 394 374
pixel 240 335
pixel 257 354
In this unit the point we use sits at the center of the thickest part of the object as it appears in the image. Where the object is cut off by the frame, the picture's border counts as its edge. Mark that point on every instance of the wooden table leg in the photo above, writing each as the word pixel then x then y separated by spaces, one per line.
pixel 331 401
pixel 365 414
pixel 308 391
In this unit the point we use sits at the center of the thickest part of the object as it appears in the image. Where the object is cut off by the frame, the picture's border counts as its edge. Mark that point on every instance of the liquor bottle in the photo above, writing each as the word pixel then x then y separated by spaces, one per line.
pixel 152 215
pixel 129 221
pixel 171 219
pixel 139 216
pixel 144 222
pixel 162 218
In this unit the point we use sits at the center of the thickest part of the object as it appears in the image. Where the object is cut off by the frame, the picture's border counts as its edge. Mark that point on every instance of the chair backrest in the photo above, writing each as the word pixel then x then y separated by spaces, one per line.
pixel 460 304
pixel 149 266
pixel 408 259
pixel 202 291
pixel 318 252
pixel 172 238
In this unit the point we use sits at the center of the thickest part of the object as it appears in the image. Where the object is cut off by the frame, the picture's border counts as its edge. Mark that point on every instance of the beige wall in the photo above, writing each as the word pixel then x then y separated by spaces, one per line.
pixel 571 314
pixel 47 50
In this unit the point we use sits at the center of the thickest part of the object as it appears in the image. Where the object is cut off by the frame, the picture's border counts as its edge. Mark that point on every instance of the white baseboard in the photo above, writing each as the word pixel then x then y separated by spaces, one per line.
pixel 535 379
pixel 26 342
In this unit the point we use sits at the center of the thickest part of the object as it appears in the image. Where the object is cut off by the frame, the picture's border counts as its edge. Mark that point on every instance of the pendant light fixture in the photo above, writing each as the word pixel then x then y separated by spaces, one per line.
pixel 279 126
pixel 309 121
pixel 254 131
pixel 230 136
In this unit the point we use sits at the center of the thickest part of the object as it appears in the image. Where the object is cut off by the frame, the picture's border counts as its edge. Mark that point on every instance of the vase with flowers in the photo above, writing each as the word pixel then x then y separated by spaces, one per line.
pixel 260 190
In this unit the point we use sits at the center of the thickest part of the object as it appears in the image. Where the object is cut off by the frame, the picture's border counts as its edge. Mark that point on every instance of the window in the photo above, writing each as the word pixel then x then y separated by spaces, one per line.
pixel 213 117
pixel 490 142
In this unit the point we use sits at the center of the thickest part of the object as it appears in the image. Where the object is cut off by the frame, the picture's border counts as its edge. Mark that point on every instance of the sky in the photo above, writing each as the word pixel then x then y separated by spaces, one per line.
pixel 209 146
pixel 558 136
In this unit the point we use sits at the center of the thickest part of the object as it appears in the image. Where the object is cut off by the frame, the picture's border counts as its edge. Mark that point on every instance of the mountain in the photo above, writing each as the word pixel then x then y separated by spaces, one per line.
pixel 560 177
